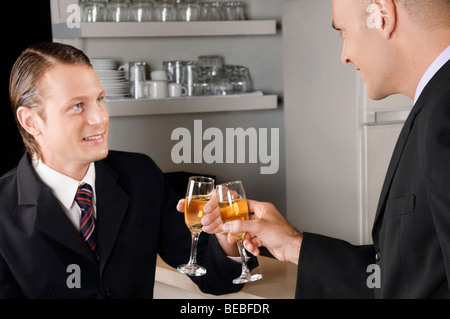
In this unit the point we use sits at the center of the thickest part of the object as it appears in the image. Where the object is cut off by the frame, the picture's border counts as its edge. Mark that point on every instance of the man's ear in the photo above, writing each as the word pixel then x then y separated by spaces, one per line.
pixel 27 119
pixel 388 16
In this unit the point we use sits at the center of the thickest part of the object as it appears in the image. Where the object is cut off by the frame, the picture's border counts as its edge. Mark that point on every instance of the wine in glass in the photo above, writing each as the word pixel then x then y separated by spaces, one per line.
pixel 197 195
pixel 233 206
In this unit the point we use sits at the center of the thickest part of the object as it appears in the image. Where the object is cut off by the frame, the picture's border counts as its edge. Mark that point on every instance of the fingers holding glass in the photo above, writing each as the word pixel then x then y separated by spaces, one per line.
pixel 233 206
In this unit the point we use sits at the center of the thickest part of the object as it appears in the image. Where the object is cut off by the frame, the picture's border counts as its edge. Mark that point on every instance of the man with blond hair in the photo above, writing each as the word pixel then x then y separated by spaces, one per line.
pixel 400 46
pixel 78 220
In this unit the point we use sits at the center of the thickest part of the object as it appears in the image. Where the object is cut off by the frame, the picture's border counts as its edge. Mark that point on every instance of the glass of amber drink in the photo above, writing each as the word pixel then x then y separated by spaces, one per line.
pixel 233 206
pixel 198 193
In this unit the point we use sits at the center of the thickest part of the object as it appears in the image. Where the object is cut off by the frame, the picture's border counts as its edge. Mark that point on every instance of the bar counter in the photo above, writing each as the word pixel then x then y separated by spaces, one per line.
pixel 278 282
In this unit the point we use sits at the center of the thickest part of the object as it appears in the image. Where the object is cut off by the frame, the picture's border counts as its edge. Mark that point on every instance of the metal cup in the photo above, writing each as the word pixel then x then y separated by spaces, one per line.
pixel 138 89
pixel 176 71
pixel 137 71
pixel 137 79
pixel 191 74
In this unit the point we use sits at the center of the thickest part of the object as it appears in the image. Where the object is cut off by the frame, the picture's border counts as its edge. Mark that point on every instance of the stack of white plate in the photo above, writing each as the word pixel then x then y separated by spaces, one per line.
pixel 113 81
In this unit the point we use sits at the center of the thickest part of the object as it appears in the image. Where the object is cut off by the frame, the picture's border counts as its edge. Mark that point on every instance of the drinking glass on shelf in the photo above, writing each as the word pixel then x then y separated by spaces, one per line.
pixel 233 10
pixel 189 10
pixel 117 11
pixel 212 11
pixel 94 11
pixel 239 78
pixel 198 193
pixel 202 81
pixel 215 62
pixel 140 11
pixel 164 10
pixel 244 81
pixel 233 206
pixel 221 84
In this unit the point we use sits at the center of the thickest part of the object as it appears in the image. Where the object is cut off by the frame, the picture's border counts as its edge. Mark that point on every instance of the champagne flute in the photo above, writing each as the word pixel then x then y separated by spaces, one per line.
pixel 197 195
pixel 233 206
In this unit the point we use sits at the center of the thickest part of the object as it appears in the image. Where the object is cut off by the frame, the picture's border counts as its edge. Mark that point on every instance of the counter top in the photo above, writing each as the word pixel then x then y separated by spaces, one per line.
pixel 278 282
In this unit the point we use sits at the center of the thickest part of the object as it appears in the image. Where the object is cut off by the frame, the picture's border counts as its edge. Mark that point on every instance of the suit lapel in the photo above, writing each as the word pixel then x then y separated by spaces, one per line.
pixel 51 220
pixel 50 217
pixel 428 91
pixel 396 156
pixel 112 204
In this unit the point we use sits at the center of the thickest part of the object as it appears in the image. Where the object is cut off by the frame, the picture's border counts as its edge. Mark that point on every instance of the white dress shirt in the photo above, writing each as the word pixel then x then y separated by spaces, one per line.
pixel 443 58
pixel 64 188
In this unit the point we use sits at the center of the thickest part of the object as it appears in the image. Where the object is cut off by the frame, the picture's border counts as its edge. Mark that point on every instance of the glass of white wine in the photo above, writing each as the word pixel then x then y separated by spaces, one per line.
pixel 233 206
pixel 197 195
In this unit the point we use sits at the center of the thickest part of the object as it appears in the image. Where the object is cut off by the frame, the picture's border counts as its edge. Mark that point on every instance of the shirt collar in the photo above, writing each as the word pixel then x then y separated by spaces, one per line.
pixel 63 187
pixel 443 58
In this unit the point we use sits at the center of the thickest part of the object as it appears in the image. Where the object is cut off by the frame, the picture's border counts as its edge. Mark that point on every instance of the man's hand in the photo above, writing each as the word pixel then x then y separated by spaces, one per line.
pixel 268 228
pixel 212 224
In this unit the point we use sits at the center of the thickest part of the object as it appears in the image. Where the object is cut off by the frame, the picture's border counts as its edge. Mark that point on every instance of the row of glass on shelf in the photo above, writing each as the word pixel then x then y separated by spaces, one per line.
pixel 160 10
pixel 204 77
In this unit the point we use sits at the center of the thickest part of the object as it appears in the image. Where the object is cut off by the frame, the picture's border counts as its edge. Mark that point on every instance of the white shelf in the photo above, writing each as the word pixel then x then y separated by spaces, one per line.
pixel 165 29
pixel 131 107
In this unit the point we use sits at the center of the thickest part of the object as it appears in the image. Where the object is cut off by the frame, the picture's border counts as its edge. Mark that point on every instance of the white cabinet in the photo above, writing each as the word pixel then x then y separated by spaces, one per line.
pixel 146 31
pixel 321 125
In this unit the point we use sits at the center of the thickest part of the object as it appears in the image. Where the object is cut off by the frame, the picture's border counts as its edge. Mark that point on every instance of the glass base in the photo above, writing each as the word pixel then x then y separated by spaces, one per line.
pixel 242 279
pixel 192 270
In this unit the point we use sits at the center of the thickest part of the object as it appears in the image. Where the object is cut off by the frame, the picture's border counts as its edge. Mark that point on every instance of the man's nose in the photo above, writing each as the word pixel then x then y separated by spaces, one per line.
pixel 344 57
pixel 97 115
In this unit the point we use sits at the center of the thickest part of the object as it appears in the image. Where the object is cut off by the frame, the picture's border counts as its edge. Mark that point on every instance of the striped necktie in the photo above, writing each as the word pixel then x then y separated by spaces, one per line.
pixel 87 222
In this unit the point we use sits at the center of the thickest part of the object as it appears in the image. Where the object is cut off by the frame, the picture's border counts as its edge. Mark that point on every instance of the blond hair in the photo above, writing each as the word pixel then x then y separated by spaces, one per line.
pixel 25 77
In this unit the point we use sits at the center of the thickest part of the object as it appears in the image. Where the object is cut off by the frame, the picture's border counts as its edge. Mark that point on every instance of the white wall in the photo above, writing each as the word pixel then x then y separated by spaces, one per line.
pixel 321 125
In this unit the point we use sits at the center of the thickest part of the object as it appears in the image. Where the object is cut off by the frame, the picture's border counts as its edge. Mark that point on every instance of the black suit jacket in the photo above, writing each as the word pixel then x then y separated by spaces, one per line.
pixel 136 220
pixel 411 232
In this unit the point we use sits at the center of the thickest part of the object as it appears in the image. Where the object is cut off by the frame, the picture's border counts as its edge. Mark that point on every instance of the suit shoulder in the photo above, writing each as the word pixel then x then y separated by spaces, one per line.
pixel 439 103
pixel 121 155
pixel 8 193
pixel 7 179
pixel 442 90
pixel 129 161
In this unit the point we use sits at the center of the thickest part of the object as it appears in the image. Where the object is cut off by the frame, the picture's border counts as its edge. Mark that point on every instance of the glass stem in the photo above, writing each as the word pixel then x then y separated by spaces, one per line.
pixel 193 257
pixel 243 254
